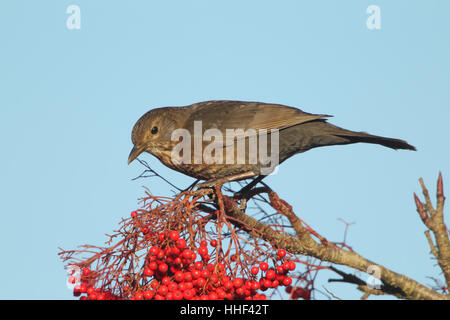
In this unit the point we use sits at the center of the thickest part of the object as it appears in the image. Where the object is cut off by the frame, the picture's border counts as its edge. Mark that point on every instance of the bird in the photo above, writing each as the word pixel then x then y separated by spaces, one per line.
pixel 195 139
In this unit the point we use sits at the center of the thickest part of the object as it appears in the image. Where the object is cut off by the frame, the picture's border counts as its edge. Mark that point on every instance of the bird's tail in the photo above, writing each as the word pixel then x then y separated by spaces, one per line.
pixel 321 133
pixel 354 137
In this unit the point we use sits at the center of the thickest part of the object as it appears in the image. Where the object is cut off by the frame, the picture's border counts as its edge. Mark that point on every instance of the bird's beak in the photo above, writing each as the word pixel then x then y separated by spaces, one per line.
pixel 135 152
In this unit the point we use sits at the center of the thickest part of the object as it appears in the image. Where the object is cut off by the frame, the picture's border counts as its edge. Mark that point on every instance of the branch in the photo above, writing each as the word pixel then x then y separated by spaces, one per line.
pixel 434 221
pixel 303 243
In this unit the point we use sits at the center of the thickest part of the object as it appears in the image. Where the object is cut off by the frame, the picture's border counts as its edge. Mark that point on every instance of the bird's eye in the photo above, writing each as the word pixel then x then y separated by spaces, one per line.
pixel 154 130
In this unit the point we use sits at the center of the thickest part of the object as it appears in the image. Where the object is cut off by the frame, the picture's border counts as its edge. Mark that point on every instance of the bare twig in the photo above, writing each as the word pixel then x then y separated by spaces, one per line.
pixel 434 221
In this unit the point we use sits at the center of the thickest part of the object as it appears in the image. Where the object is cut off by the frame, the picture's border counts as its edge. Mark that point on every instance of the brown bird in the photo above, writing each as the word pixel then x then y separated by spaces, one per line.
pixel 203 140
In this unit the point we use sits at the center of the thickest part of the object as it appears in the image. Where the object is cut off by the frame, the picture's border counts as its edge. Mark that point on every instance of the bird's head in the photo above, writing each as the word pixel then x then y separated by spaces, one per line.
pixel 152 131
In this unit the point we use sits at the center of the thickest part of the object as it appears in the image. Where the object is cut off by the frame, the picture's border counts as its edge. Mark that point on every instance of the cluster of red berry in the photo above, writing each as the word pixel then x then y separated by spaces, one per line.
pixel 178 274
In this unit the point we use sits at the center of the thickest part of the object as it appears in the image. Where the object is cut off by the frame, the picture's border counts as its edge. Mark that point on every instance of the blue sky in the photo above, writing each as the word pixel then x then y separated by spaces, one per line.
pixel 69 99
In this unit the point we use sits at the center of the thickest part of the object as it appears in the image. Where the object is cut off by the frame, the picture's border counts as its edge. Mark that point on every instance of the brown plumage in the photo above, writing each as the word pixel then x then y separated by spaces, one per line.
pixel 298 132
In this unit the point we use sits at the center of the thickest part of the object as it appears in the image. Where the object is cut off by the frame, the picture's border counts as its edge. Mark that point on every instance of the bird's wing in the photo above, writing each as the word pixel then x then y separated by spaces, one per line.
pixel 272 116
pixel 250 115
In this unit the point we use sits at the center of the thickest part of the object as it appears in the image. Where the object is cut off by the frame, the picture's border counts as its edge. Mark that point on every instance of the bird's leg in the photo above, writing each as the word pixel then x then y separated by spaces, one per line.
pixel 192 185
pixel 241 193
pixel 230 178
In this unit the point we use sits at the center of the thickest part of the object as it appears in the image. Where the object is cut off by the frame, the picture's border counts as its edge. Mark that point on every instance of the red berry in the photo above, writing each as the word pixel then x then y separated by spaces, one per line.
pixel 165 280
pixel 228 285
pixel 149 272
pixel 264 266
pixel 214 278
pixel 270 274
pixel 291 265
pixel 254 270
pixel 161 255
pixel 188 276
pixel 148 294
pixel 133 214
pixel 177 295
pixel 83 288
pixel 200 282
pixel 179 276
pixel 240 291
pixel 213 296
pixel 281 253
pixel 76 291
pixel 175 251
pixel 153 265
pixel 196 274
pixel 172 286
pixel 86 271
pixel 162 290
pixel 188 294
pixel 181 243
pixel 177 260
pixel 161 236
pixel 139 296
pixel 221 293
pixel 188 285
pixel 279 277
pixel 182 286
pixel 174 235
pixel 102 296
pixel 287 281
pixel 202 251
pixel 255 285
pixel 154 250
pixel 154 284
pixel 238 282
pixel 169 296
pixel 206 257
pixel 163 267
pixel 205 273
pixel 187 253
pixel 213 243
